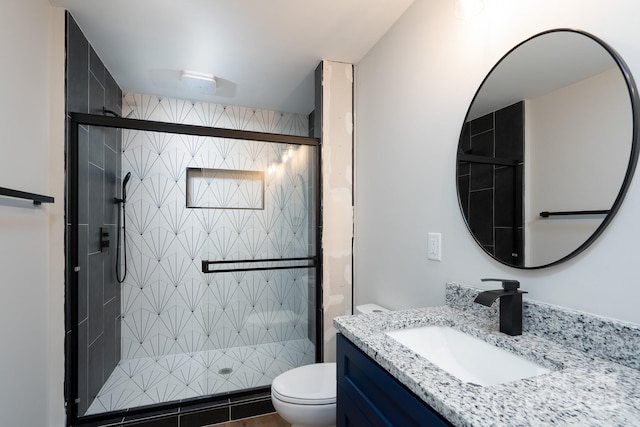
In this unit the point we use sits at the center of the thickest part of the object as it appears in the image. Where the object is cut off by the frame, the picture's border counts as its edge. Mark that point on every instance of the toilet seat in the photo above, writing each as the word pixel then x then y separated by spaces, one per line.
pixel 307 385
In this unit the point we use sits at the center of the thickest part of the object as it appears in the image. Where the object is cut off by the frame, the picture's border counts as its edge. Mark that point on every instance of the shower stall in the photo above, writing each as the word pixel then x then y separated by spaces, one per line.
pixel 205 242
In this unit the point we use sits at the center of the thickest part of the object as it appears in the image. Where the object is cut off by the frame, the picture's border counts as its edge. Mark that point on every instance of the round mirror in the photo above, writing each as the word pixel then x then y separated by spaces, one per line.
pixel 548 149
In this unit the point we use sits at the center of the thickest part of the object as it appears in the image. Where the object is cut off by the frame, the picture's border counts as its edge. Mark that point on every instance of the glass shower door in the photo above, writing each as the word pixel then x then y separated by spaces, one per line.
pixel 259 262
pixel 222 264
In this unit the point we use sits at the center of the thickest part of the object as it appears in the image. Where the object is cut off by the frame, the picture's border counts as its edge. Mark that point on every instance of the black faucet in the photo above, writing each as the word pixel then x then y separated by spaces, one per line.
pixel 510 304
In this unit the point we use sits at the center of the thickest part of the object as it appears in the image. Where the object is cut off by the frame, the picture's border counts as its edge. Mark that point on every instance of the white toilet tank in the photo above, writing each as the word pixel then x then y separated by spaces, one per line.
pixel 369 308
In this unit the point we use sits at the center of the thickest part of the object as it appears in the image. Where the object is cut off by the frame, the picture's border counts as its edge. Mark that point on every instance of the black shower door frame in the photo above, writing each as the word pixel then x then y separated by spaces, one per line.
pixel 71 240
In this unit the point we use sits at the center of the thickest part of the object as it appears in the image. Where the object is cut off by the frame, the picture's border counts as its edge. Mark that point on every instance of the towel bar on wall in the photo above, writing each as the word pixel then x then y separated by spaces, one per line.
pixel 37 198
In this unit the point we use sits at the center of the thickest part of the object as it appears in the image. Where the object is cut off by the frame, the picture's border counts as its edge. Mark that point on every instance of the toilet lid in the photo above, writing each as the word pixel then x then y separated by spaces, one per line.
pixel 307 385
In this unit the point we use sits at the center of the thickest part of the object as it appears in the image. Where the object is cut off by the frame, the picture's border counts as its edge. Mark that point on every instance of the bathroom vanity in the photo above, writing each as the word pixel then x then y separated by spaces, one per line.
pixel 592 376
pixel 369 395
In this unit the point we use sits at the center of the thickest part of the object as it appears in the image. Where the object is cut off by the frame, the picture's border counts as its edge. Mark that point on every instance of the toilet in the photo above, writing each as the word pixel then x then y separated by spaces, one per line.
pixel 306 396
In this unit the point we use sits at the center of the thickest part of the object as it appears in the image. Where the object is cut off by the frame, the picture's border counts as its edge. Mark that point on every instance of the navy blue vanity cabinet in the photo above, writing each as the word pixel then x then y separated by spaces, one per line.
pixel 369 396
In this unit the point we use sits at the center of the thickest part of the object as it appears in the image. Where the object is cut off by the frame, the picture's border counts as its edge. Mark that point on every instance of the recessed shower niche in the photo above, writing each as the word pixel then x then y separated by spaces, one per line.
pixel 225 189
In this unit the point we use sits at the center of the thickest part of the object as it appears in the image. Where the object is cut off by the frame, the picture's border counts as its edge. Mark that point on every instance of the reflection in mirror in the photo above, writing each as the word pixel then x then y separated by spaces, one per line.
pixel 547 149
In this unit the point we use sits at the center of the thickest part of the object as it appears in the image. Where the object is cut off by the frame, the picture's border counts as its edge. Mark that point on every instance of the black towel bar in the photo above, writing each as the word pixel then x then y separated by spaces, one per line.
pixel 207 265
pixel 547 214
pixel 37 198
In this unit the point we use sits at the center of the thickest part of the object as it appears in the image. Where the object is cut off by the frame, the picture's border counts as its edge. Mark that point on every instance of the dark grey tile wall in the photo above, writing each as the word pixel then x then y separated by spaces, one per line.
pixel 491 195
pixel 90 88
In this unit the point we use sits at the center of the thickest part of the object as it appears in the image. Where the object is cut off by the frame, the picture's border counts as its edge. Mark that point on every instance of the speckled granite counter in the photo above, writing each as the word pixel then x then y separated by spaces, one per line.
pixel 582 389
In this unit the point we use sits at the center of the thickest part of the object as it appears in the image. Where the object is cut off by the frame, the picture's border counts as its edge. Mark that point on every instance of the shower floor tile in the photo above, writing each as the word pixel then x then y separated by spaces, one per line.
pixel 148 380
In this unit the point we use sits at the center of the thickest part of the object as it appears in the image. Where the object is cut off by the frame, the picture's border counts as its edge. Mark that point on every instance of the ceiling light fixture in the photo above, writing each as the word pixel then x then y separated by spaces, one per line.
pixel 200 82
pixel 467 9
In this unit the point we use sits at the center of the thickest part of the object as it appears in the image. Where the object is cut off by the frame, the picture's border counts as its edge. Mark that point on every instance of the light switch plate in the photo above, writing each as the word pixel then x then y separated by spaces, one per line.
pixel 434 246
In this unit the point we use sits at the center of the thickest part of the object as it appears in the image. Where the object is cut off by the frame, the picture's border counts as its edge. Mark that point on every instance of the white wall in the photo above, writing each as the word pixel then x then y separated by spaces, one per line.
pixel 412 93
pixel 32 238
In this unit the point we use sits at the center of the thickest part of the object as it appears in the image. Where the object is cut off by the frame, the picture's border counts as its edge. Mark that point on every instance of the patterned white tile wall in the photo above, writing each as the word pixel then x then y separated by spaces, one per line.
pixel 168 305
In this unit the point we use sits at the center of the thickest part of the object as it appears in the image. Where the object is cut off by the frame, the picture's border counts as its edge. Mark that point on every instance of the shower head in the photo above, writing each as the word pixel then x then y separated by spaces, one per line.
pixel 126 179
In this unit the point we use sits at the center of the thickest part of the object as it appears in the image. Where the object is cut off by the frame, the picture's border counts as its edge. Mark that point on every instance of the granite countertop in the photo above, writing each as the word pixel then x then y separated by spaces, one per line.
pixel 582 390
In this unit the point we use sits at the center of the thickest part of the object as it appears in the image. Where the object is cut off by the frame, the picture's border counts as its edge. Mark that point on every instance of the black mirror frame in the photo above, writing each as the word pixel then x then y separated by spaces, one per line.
pixel 633 157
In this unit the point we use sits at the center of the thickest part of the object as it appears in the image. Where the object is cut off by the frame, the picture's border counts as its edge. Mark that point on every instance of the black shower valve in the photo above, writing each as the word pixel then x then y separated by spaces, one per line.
pixel 104 240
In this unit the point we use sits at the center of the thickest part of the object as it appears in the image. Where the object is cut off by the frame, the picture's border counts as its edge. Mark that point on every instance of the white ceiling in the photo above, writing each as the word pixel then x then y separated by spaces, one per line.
pixel 262 52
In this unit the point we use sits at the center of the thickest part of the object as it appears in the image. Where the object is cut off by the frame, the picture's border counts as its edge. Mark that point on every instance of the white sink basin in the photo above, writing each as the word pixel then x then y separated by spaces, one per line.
pixel 467 358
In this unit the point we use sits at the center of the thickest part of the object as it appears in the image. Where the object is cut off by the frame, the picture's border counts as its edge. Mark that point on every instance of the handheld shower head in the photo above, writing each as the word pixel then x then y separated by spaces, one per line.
pixel 125 181
pixel 122 219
